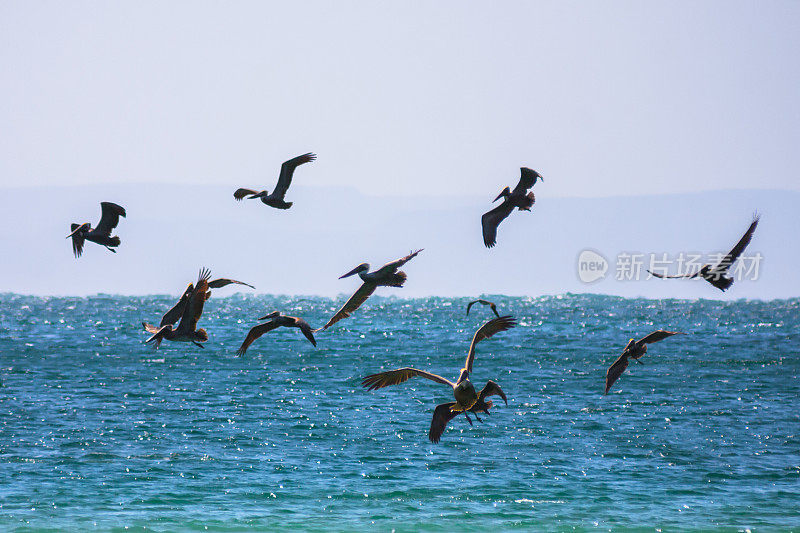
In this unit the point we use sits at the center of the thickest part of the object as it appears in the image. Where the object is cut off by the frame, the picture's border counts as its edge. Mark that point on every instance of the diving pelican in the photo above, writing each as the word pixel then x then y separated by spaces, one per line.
pixel 716 275
pixel 491 305
pixel 176 312
pixel 518 198
pixel 635 349
pixel 467 400
pixel 276 320
pixel 387 276
pixel 192 310
pixel 102 233
pixel 276 199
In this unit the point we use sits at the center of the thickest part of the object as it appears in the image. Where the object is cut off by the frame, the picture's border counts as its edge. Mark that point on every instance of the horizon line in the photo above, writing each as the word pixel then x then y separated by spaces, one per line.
pixel 246 295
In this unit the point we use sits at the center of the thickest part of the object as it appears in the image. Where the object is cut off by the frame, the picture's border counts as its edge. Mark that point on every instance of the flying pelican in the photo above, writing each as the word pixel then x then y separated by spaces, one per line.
pixel 387 276
pixel 276 320
pixel 467 400
pixel 716 275
pixel 519 198
pixel 635 349
pixel 192 310
pixel 102 233
pixel 491 305
pixel 176 312
pixel 276 199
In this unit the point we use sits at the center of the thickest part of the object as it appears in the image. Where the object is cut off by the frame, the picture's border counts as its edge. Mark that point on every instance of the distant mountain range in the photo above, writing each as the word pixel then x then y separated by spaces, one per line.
pixel 171 231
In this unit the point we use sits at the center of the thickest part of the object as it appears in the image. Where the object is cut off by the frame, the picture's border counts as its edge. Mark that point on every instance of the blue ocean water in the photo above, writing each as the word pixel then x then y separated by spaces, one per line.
pixel 99 431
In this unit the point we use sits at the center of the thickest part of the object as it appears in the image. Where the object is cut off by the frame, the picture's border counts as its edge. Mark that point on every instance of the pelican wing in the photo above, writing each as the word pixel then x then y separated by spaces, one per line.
pixel 194 307
pixel 491 305
pixel 401 375
pixel 491 388
pixel 221 282
pixel 526 180
pixel 77 239
pixel 109 218
pixel 255 333
pixel 306 330
pixel 355 301
pixel 175 314
pixel 392 266
pixel 492 219
pixel 664 276
pixel 287 170
pixel 493 326
pixel 616 370
pixel 737 250
pixel 441 416
pixel 656 336
pixel 241 193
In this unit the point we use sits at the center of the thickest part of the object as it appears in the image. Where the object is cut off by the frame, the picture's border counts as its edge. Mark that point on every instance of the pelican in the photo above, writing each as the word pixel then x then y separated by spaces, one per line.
pixel 276 199
pixel 176 312
pixel 716 275
pixel 491 305
pixel 192 310
pixel 467 400
pixel 635 350
pixel 102 233
pixel 518 198
pixel 276 320
pixel 387 276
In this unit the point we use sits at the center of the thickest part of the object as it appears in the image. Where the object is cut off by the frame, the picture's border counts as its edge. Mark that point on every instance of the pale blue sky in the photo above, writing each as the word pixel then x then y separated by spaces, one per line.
pixel 420 113
pixel 403 97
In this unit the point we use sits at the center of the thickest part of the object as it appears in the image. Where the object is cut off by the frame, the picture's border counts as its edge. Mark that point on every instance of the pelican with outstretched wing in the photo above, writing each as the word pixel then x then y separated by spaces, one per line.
pixel 467 399
pixel 716 275
pixel 491 305
pixel 386 276
pixel 277 198
pixel 102 233
pixel 519 198
pixel 276 320
pixel 176 312
pixel 192 303
pixel 634 350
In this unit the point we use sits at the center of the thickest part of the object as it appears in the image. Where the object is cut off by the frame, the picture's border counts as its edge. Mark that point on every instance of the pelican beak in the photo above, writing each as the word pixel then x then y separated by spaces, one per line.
pixel 499 196
pixel 354 271
pixel 76 230
pixel 271 315
pixel 257 195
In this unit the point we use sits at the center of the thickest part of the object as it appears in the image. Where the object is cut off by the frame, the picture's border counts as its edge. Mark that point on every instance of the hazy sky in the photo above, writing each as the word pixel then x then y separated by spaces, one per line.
pixel 167 107
pixel 403 97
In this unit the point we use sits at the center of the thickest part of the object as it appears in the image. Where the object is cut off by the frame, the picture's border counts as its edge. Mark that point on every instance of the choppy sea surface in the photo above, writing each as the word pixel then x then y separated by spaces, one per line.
pixel 100 432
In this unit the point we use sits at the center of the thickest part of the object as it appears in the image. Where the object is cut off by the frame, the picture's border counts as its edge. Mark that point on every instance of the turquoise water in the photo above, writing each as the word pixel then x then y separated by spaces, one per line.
pixel 98 431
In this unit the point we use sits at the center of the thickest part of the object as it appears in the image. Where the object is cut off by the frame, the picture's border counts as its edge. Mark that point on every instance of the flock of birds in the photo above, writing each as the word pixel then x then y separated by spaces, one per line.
pixel 189 308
